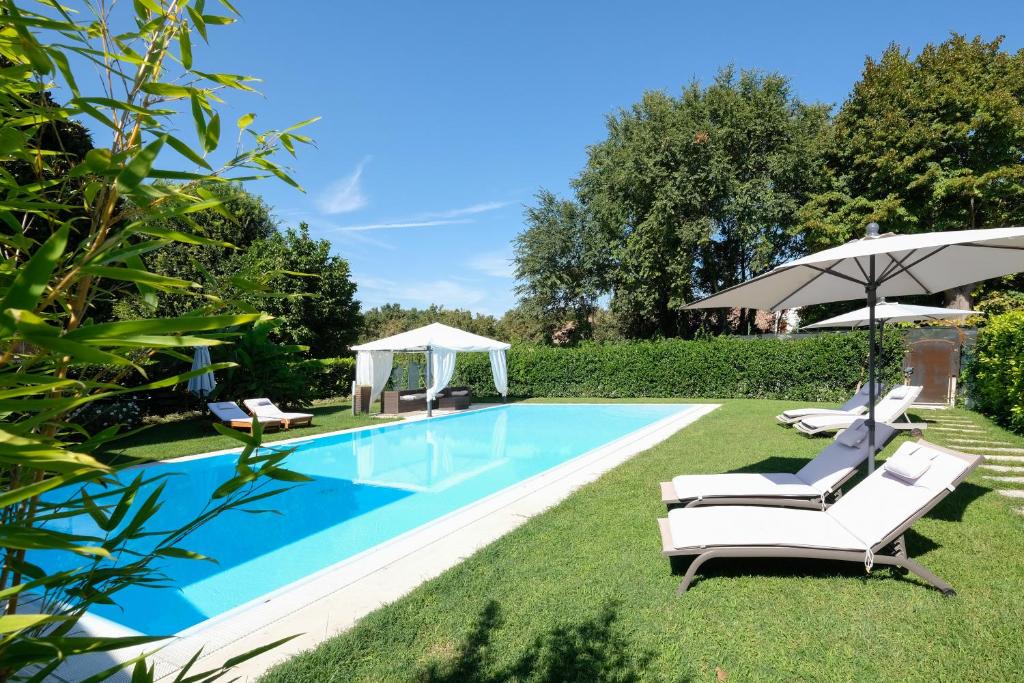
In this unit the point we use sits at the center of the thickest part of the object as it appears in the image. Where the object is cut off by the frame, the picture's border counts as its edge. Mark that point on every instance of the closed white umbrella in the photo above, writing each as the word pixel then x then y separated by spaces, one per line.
pixel 880 265
pixel 890 311
pixel 201 385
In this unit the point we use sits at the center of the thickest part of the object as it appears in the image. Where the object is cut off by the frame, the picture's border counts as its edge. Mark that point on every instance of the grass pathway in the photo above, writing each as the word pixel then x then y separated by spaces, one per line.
pixel 1004 456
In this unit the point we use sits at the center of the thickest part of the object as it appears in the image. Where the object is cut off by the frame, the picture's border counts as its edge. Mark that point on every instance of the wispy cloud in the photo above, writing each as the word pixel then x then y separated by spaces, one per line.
pixel 493 263
pixel 430 219
pixel 345 194
pixel 470 210
pixel 398 224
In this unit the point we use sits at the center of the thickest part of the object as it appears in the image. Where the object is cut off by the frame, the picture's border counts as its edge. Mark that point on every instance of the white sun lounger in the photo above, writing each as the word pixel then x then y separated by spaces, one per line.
pixel 865 526
pixel 264 408
pixel 857 405
pixel 230 414
pixel 890 410
pixel 813 487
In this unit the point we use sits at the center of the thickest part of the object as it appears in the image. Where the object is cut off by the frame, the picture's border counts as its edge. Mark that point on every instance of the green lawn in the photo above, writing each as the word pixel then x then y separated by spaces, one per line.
pixel 195 434
pixel 582 593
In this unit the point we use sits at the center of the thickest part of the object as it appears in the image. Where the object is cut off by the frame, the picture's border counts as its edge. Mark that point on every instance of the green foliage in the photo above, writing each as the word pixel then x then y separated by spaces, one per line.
pixel 389 319
pixel 823 367
pixel 327 377
pixel 77 221
pixel 262 368
pixel 996 370
pixel 287 273
pixel 687 195
pixel 312 290
pixel 561 264
pixel 934 142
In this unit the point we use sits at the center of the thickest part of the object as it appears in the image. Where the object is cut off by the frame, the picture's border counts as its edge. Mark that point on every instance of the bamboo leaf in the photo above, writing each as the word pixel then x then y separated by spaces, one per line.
pixel 138 168
pixel 212 138
pixel 30 282
pixel 245 120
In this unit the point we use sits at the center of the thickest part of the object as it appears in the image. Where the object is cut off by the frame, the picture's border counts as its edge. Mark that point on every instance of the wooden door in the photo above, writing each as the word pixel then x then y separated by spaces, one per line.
pixel 935 363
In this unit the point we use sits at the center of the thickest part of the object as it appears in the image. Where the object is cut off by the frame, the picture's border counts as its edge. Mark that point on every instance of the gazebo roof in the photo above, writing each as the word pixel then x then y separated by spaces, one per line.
pixel 434 336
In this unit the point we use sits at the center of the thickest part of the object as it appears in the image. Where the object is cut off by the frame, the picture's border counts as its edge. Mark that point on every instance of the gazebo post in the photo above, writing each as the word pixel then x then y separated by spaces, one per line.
pixel 430 413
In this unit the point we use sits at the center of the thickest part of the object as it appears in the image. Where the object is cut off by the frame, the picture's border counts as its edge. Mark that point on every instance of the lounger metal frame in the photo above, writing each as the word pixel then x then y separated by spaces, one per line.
pixel 671 499
pixel 891 550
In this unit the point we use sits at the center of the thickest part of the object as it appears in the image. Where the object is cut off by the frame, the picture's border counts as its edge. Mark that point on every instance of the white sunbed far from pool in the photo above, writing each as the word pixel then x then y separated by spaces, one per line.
pixel 857 405
pixel 228 413
pixel 890 410
pixel 865 525
pixel 264 408
pixel 811 487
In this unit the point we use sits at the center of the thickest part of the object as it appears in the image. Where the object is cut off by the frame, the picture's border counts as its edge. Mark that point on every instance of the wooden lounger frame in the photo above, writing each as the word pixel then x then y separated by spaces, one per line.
pixel 892 549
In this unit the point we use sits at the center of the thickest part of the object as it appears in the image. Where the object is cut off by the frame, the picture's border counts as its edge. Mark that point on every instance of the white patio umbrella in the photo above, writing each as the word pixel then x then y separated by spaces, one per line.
pixel 201 385
pixel 880 265
pixel 890 311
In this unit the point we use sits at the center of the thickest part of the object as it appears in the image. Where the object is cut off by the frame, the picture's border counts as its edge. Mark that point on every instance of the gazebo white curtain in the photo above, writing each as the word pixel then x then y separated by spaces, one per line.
pixel 442 367
pixel 499 371
pixel 373 368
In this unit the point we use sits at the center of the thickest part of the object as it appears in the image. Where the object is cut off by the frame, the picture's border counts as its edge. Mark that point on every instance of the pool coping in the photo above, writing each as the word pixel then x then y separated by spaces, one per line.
pixel 334 598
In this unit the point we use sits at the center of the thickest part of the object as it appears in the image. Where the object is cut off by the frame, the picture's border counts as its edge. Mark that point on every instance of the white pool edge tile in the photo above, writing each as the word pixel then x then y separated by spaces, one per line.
pixel 336 597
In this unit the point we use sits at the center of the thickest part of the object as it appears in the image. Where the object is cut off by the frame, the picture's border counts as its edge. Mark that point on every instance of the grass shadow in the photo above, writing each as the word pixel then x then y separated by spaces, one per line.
pixel 775 463
pixel 591 649
pixel 953 506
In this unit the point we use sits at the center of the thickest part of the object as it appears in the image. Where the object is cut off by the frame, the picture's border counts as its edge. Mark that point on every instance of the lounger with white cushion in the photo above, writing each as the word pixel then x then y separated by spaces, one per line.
pixel 814 486
pixel 230 414
pixel 857 405
pixel 264 408
pixel 891 410
pixel 865 526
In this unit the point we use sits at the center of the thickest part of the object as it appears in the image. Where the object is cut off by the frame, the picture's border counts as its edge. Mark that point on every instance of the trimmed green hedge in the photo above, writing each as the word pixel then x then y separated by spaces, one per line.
pixel 823 367
pixel 327 377
pixel 996 370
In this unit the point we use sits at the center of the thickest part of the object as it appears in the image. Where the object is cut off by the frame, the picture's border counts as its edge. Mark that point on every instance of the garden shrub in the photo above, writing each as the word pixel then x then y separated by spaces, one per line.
pixel 824 367
pixel 996 370
pixel 327 377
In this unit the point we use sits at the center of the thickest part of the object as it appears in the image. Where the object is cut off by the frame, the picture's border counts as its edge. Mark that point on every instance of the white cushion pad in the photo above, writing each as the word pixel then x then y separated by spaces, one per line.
pixel 692 486
pixel 806 412
pixel 742 525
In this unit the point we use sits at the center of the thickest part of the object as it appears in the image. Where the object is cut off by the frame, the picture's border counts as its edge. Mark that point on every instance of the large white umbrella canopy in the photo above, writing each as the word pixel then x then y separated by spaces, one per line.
pixel 891 311
pixel 203 384
pixel 880 265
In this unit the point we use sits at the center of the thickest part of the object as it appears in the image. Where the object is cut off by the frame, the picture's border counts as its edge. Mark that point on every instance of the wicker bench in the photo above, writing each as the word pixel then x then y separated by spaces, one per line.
pixel 455 398
pixel 405 401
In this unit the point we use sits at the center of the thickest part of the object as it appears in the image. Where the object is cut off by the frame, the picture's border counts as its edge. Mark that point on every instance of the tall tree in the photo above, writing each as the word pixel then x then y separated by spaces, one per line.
pixel 314 295
pixel 934 142
pixel 561 264
pixel 694 193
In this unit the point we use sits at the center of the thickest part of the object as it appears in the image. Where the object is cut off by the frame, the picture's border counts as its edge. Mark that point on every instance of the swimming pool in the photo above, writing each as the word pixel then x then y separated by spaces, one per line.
pixel 368 487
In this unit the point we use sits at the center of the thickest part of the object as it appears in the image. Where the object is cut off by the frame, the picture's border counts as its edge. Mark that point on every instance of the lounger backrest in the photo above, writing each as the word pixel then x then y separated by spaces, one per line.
pixel 263 407
pixel 884 502
pixel 227 410
pixel 838 460
pixel 896 402
pixel 860 399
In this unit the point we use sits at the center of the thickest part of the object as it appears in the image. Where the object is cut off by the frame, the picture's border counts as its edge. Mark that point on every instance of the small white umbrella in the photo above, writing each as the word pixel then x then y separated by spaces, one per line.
pixel 890 311
pixel 880 265
pixel 201 385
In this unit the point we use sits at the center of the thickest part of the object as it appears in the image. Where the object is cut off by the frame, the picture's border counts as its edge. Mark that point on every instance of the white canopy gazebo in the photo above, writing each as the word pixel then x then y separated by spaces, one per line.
pixel 441 343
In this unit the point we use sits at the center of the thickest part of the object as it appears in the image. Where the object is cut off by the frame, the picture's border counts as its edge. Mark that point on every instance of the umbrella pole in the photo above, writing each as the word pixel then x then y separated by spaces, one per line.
pixel 872 291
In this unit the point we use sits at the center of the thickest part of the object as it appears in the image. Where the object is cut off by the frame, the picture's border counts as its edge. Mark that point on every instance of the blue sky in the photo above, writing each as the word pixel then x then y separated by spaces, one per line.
pixel 440 120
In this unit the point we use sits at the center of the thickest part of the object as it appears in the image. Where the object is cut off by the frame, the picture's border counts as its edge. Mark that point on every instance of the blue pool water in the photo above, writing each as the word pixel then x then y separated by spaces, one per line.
pixel 367 488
